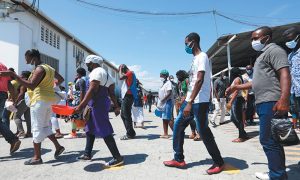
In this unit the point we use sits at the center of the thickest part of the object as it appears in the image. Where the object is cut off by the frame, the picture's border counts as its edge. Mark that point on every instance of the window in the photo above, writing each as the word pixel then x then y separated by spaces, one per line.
pixel 58 42
pixel 47 36
pixel 50 38
pixel 113 73
pixel 54 40
pixel 42 33
pixel 50 61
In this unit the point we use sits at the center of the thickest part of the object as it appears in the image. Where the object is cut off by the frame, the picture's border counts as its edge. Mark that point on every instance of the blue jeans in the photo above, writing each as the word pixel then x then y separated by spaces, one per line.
pixel 200 112
pixel 273 150
pixel 4 130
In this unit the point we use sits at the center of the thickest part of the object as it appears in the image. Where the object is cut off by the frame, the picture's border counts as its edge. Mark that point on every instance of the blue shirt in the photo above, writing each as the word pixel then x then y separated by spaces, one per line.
pixel 294 61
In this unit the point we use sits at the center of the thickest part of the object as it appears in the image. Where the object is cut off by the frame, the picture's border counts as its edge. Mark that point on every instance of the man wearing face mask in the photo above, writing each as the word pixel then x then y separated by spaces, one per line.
pixel 250 98
pixel 197 100
pixel 271 84
pixel 292 36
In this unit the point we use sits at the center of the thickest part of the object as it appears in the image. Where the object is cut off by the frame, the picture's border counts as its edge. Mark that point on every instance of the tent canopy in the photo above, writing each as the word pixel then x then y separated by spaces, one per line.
pixel 241 52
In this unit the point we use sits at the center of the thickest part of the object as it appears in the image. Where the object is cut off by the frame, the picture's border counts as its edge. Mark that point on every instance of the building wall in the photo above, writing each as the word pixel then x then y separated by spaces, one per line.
pixel 22 31
pixel 9 44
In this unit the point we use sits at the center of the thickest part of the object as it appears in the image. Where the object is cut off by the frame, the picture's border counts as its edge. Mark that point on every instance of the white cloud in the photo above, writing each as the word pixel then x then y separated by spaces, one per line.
pixel 149 81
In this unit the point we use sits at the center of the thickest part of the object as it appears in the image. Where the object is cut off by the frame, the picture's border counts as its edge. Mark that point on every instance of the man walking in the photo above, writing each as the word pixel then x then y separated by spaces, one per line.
pixel 150 100
pixel 197 100
pixel 220 86
pixel 271 85
pixel 129 93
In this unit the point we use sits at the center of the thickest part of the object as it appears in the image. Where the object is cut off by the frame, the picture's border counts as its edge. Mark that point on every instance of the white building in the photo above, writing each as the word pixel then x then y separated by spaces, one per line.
pixel 23 28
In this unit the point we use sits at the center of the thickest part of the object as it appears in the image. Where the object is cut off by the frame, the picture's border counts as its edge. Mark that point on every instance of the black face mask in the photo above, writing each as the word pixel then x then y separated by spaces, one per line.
pixel 181 79
pixel 90 68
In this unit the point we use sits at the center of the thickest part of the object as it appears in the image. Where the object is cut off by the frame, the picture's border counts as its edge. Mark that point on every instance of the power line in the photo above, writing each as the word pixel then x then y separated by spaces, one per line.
pixel 144 12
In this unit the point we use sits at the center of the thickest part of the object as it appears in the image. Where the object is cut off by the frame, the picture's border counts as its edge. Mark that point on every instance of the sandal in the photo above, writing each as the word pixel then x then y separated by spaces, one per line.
pixel 164 136
pixel 15 146
pixel 59 152
pixel 33 162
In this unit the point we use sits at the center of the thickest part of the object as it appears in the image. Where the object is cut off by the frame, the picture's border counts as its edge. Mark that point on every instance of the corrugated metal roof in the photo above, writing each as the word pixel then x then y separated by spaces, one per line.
pixel 241 52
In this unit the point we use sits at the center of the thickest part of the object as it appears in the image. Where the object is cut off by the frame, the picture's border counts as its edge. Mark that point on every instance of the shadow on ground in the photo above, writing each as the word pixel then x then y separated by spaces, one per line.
pixel 293 171
pixel 67 158
pixel 128 160
pixel 252 134
pixel 23 154
pixel 237 163
pixel 149 136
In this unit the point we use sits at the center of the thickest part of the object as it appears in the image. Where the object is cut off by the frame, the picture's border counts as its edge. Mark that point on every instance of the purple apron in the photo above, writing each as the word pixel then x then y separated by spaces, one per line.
pixel 99 124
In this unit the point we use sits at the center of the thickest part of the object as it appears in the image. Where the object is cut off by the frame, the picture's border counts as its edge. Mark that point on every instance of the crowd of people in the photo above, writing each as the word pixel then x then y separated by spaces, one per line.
pixel 270 87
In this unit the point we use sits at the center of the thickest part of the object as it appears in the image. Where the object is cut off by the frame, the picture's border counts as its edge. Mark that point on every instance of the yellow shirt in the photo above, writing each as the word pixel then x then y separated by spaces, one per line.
pixel 44 91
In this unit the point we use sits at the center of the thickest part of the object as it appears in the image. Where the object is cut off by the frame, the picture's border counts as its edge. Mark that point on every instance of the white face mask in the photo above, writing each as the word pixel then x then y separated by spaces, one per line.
pixel 162 79
pixel 292 44
pixel 30 67
pixel 257 45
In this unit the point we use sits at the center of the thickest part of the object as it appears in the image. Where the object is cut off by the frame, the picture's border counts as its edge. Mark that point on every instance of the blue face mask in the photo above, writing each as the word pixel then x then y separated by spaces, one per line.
pixel 189 49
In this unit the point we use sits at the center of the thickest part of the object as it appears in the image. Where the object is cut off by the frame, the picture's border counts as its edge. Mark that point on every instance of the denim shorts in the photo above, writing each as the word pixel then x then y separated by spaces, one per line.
pixel 168 112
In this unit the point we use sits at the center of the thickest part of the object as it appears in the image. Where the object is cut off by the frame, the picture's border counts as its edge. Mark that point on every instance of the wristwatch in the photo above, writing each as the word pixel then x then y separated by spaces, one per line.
pixel 190 101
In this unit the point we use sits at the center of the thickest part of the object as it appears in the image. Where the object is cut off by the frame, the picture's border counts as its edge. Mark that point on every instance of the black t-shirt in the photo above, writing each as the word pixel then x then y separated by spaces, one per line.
pixel 220 85
pixel 149 98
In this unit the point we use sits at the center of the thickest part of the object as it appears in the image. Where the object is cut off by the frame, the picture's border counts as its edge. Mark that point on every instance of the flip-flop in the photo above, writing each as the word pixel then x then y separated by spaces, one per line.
pixel 59 152
pixel 164 136
pixel 33 162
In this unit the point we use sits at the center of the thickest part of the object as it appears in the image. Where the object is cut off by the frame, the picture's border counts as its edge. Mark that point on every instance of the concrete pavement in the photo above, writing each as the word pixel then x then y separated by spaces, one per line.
pixel 143 156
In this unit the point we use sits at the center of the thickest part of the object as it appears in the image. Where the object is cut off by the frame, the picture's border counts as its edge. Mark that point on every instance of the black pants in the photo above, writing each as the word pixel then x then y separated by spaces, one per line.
pixel 126 115
pixel 109 141
pixel 237 116
pixel 250 108
pixel 150 104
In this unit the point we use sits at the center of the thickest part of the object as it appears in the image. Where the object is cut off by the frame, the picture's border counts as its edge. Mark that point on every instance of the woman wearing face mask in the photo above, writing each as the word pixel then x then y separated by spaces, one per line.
pixel 292 36
pixel 166 101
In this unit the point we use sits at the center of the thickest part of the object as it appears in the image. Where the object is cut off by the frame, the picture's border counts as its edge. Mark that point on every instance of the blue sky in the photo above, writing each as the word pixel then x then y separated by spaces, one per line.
pixel 148 44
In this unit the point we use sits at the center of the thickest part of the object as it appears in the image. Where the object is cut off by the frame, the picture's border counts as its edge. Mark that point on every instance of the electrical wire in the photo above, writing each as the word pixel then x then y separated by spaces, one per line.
pixel 144 12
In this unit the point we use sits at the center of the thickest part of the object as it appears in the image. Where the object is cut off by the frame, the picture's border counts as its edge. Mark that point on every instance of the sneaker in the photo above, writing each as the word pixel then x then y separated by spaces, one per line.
pixel 262 176
pixel 215 169
pixel 115 162
pixel 70 136
pixel 174 163
pixel 21 134
pixel 84 158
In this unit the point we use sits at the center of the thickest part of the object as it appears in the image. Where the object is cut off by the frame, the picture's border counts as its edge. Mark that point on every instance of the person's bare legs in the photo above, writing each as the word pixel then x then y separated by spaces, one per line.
pixel 165 125
pixel 171 124
pixel 37 151
pixel 55 142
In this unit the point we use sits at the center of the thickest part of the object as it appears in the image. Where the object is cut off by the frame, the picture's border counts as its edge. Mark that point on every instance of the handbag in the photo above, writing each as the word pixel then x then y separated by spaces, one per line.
pixel 87 112
pixel 283 132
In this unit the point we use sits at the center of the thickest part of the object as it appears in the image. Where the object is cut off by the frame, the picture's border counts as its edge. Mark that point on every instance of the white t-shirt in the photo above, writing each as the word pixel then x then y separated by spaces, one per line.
pixel 164 90
pixel 200 63
pixel 99 74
